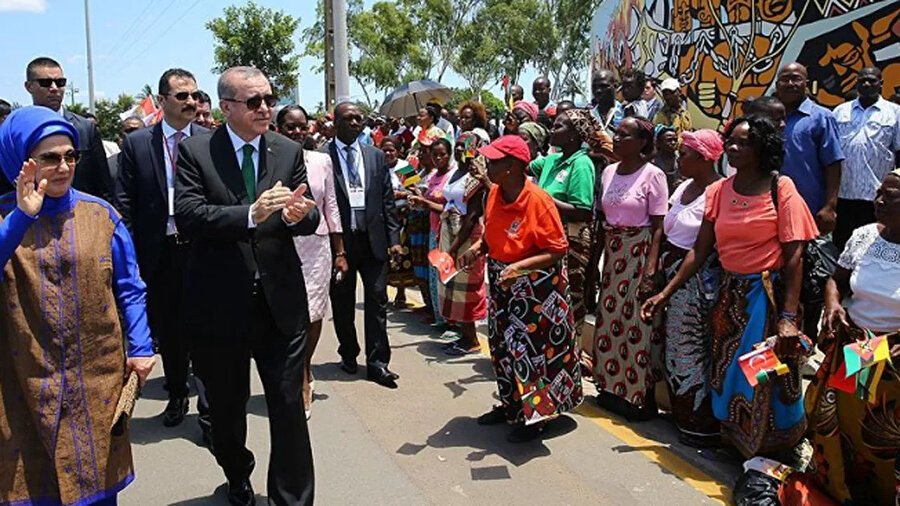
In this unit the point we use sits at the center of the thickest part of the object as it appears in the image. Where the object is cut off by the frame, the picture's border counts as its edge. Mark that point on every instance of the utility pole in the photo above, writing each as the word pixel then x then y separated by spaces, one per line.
pixel 329 55
pixel 71 90
pixel 90 59
pixel 341 52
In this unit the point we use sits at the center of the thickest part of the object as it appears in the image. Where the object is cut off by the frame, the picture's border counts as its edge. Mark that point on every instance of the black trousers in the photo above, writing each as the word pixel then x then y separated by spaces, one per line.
pixel 343 304
pixel 223 363
pixel 164 299
pixel 851 214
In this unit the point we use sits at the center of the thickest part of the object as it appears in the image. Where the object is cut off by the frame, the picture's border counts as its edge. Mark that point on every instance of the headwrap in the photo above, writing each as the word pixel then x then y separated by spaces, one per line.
pixel 590 131
pixel 24 129
pixel 530 109
pixel 471 142
pixel 706 142
pixel 536 131
pixel 432 134
pixel 661 129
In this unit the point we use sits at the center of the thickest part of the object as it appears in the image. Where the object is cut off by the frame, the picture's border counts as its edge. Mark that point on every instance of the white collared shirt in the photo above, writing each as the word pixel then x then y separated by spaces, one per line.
pixel 169 154
pixel 870 137
pixel 239 144
pixel 360 167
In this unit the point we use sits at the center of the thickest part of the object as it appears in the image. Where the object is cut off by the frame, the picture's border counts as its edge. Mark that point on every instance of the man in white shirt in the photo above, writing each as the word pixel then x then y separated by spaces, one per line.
pixel 869 130
pixel 145 190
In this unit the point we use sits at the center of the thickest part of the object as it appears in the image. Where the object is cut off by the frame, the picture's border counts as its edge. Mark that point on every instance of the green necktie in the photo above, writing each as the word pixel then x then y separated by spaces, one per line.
pixel 248 172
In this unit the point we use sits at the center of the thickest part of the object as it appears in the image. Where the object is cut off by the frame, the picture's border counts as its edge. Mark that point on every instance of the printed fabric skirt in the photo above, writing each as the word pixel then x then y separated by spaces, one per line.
pixel 401 273
pixel 627 351
pixel 579 236
pixel 532 340
pixel 856 444
pixel 315 254
pixel 463 299
pixel 768 418
pixel 687 349
pixel 417 226
pixel 434 279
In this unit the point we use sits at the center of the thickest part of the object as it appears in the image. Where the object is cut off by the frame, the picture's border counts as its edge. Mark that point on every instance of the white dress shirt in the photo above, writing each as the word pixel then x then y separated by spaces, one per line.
pixel 360 168
pixel 239 144
pixel 870 137
pixel 169 154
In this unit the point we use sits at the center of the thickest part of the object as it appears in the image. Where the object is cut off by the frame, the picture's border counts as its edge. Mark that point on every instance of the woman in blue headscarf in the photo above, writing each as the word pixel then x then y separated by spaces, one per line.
pixel 67 264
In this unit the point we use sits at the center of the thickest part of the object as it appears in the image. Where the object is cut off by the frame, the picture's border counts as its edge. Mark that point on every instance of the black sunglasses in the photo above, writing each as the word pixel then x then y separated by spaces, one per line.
pixel 45 82
pixel 50 159
pixel 255 102
pixel 181 96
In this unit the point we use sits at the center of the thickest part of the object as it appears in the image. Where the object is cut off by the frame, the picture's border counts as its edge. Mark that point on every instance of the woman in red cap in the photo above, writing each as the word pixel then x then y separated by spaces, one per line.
pixel 530 327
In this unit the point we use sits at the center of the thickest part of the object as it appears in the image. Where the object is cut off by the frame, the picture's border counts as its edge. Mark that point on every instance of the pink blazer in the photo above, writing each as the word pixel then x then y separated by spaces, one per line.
pixel 321 184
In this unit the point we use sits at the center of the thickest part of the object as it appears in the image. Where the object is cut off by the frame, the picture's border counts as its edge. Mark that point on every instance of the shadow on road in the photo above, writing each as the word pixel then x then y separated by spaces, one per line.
pixel 217 498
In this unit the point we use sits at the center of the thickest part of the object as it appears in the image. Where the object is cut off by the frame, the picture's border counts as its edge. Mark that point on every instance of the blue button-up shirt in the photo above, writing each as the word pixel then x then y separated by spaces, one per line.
pixel 870 137
pixel 811 143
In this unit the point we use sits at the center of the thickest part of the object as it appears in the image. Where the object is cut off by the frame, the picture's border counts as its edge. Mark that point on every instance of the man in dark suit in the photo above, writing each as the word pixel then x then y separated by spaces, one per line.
pixel 45 81
pixel 240 196
pixel 366 201
pixel 145 189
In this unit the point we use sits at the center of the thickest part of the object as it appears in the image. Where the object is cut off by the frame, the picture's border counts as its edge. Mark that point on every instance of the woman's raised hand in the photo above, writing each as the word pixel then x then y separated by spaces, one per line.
pixel 30 197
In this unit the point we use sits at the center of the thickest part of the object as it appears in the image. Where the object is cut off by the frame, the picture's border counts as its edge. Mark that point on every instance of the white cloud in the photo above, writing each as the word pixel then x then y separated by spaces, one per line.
pixel 75 58
pixel 37 6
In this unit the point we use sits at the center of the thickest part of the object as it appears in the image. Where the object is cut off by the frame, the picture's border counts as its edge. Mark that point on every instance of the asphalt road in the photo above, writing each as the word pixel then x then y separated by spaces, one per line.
pixel 420 444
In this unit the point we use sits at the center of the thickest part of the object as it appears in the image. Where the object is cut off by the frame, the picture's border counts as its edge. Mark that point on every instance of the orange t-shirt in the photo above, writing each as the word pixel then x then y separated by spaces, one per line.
pixel 749 232
pixel 524 228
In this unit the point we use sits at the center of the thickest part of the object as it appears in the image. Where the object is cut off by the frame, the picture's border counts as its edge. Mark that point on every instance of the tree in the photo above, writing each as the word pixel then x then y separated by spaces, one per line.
pixel 524 31
pixel 490 101
pixel 78 108
pixel 572 48
pixel 260 37
pixel 441 25
pixel 108 111
pixel 477 60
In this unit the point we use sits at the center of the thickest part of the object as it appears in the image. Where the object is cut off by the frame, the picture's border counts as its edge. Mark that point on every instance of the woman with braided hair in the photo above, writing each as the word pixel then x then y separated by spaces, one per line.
pixel 632 203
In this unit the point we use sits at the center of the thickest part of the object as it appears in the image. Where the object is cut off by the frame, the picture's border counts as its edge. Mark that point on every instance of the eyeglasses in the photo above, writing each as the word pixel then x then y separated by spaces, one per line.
pixel 181 96
pixel 255 102
pixel 46 82
pixel 50 159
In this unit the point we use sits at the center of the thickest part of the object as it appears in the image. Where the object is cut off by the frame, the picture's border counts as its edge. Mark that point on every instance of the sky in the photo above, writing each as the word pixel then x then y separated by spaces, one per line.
pixel 135 41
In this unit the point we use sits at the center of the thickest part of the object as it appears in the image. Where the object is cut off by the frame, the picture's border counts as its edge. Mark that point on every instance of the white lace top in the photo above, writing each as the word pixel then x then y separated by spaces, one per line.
pixel 874 266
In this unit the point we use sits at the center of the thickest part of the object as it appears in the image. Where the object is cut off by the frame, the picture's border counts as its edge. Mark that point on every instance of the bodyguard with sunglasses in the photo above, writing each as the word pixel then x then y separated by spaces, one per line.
pixel 145 190
pixel 240 197
pixel 45 81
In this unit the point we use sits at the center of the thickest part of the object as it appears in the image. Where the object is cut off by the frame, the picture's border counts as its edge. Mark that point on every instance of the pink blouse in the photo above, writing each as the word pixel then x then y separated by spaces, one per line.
pixel 630 201
pixel 320 174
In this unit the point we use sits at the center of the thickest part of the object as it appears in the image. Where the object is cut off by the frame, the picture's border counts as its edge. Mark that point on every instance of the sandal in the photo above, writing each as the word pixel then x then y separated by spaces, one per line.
pixel 455 350
pixel 449 336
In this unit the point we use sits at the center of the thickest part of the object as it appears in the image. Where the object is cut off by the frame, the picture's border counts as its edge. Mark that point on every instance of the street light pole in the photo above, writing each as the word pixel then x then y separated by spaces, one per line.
pixel 341 53
pixel 90 59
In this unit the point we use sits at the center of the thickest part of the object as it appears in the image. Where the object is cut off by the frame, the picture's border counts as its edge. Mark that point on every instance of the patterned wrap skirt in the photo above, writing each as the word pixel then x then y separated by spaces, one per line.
pixel 579 236
pixel 417 226
pixel 463 299
pixel 434 279
pixel 688 344
pixel 767 418
pixel 401 273
pixel 856 444
pixel 627 351
pixel 315 254
pixel 533 349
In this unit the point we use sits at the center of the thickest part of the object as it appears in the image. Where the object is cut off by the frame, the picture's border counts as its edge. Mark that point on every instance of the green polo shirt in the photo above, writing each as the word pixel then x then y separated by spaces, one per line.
pixel 570 180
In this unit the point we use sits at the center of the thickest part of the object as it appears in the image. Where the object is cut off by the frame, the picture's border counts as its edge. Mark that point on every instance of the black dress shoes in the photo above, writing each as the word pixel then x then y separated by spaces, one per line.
pixel 349 366
pixel 175 411
pixel 241 494
pixel 381 375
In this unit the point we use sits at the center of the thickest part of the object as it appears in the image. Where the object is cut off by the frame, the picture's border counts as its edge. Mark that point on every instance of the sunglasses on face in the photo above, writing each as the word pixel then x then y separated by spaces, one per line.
pixel 255 102
pixel 181 96
pixel 46 82
pixel 51 159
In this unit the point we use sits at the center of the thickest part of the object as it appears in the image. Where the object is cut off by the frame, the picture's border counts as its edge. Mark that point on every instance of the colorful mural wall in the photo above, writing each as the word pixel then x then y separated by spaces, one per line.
pixel 724 51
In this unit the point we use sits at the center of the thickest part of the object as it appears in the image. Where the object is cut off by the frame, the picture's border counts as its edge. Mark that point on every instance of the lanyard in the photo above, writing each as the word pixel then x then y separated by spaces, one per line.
pixel 169 153
pixel 343 154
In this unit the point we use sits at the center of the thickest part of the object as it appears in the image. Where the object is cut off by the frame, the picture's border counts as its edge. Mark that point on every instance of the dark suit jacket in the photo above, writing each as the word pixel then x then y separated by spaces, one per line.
pixel 211 208
pixel 142 195
pixel 382 223
pixel 92 171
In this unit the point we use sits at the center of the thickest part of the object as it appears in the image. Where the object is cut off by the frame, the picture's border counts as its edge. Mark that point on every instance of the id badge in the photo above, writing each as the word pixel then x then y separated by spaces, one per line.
pixel 171 201
pixel 357 198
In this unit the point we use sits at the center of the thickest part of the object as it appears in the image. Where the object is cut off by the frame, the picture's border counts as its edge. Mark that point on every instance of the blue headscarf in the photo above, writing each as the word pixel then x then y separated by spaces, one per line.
pixel 24 129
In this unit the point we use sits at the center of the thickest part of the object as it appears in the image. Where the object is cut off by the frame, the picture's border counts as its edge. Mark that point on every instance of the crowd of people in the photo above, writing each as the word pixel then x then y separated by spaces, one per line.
pixel 217 243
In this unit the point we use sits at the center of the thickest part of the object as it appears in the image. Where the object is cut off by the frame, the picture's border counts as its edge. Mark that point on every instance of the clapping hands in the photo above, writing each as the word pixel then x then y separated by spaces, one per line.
pixel 298 206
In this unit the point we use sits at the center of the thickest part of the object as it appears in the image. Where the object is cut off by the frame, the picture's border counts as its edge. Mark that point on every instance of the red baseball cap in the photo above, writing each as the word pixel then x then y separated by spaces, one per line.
pixel 507 145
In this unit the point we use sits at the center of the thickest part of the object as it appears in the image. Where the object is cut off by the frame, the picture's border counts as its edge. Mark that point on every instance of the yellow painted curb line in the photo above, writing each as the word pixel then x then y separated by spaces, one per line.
pixel 652 450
